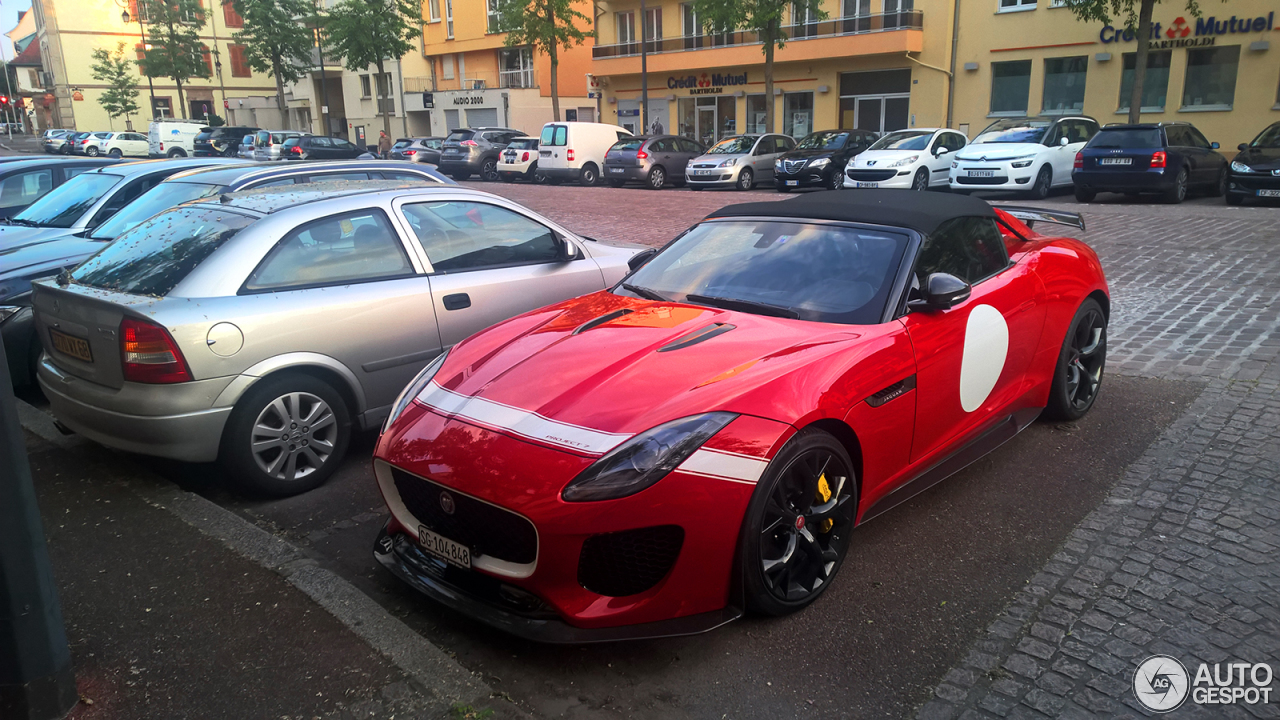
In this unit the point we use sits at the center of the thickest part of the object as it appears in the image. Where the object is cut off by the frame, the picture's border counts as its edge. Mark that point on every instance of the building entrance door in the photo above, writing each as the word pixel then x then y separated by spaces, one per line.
pixel 706 129
pixel 881 114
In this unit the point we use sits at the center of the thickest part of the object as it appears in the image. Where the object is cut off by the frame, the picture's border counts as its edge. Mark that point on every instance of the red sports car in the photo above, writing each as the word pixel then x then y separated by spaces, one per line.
pixel 703 439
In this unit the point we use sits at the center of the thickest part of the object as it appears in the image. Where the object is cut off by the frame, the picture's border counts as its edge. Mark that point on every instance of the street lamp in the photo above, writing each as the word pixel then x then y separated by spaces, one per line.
pixel 146 46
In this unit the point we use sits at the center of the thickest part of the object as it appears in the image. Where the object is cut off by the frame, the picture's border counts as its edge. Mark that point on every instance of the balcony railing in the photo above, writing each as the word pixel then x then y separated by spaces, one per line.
pixel 517 78
pixel 855 25
pixel 514 79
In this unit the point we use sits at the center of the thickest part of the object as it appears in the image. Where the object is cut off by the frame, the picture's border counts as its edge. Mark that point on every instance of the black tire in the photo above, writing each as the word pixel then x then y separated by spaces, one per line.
pixel 1044 181
pixel 531 174
pixel 1077 377
pixel 176 153
pixel 920 182
pixel 1085 195
pixel 460 176
pixel 1219 187
pixel 788 507
pixel 296 394
pixel 835 181
pixel 231 152
pixel 1233 199
pixel 657 178
pixel 590 175
pixel 746 179
pixel 489 170
pixel 115 153
pixel 617 183
pixel 1178 192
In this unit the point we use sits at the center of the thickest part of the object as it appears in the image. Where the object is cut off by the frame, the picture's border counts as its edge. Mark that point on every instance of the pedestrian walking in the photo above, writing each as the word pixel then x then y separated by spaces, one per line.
pixel 384 145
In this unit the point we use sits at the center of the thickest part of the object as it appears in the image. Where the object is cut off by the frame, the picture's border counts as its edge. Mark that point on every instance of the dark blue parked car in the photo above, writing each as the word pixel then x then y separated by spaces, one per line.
pixel 1164 158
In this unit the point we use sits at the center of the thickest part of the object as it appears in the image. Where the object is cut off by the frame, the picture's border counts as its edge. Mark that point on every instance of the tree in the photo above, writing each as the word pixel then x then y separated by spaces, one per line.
pixel 370 32
pixel 1137 17
pixel 764 17
pixel 121 95
pixel 173 33
pixel 545 26
pixel 274 41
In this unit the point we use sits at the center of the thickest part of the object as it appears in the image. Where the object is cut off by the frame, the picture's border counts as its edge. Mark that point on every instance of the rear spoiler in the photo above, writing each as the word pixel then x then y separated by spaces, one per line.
pixel 1030 215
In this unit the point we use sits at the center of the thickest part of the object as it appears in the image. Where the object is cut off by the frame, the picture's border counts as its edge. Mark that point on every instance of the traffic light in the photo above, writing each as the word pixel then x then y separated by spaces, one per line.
pixel 4 100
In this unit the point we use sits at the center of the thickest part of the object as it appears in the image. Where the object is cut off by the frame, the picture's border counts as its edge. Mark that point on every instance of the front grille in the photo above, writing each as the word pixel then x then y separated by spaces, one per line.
pixel 870 175
pixel 628 562
pixel 966 180
pixel 486 529
pixel 793 166
pixel 704 165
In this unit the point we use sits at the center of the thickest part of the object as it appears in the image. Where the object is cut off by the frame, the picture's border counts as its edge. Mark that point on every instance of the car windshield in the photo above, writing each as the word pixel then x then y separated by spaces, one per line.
pixel 733 146
pixel 64 205
pixel 1020 130
pixel 823 140
pixel 158 254
pixel 904 140
pixel 1269 138
pixel 525 144
pixel 824 273
pixel 156 200
pixel 1127 138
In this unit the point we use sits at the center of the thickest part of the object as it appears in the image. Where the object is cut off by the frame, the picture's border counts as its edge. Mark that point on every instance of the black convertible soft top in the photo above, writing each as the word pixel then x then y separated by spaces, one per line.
pixel 922 211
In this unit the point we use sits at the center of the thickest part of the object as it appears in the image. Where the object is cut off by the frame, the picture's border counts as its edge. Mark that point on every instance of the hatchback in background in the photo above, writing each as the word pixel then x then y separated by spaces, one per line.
pixel 819 159
pixel 1163 158
pixel 69 141
pixel 739 161
pixel 319 147
pixel 25 180
pixel 1255 171
pixel 222 140
pixel 421 150
pixel 246 147
pixel 293 317
pixel 1032 155
pixel 520 161
pixel 118 145
pixel 918 159
pixel 266 143
pixel 472 151
pixel 51 141
pixel 78 143
pixel 654 160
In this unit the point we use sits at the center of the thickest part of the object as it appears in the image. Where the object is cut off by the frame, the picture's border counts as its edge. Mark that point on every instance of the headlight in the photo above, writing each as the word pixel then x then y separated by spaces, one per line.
pixel 414 388
pixel 1240 167
pixel 777 164
pixel 820 162
pixel 729 163
pixel 645 459
pixel 1024 161
pixel 904 161
pixel 8 311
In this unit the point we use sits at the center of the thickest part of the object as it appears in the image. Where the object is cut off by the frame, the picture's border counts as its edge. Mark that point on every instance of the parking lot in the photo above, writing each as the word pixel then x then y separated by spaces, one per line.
pixel 1192 340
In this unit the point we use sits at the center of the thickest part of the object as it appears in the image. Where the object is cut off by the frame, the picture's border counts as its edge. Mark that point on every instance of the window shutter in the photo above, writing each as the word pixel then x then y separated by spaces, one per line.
pixel 208 59
pixel 239 63
pixel 231 17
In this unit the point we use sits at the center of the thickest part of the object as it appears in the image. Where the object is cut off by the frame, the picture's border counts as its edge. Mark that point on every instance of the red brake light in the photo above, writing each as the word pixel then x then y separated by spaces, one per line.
pixel 1158 159
pixel 150 355
pixel 296 150
pixel 1079 160
pixel 641 155
pixel 524 157
pixel 568 155
pixel 409 152
pixel 469 143
pixel 161 147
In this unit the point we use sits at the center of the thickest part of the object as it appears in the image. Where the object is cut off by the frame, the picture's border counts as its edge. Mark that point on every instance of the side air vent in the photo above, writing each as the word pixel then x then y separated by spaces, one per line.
pixel 896 390
pixel 698 336
pixel 597 322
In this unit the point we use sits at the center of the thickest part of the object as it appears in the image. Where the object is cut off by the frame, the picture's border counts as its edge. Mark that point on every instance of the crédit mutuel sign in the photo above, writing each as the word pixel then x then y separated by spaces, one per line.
pixel 1182 34
pixel 707 83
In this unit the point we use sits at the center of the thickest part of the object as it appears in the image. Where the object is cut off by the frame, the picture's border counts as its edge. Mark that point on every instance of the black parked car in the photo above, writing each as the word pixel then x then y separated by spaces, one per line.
pixel 222 140
pixel 653 160
pixel 819 159
pixel 471 151
pixel 319 147
pixel 1165 158
pixel 23 180
pixel 1255 172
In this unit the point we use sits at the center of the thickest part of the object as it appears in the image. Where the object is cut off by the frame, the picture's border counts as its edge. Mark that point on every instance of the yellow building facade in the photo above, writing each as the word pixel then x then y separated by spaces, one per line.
pixel 70 30
pixel 1219 72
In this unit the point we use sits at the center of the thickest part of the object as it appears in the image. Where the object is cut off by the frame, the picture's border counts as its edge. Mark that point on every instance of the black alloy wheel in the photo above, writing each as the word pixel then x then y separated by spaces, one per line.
pixel 657 178
pixel 746 179
pixel 920 182
pixel 1078 375
pixel 1044 181
pixel 799 524
pixel 835 181
pixel 489 170
pixel 1178 192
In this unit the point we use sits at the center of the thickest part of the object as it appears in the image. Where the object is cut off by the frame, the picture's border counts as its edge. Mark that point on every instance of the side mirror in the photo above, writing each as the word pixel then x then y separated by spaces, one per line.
pixel 940 151
pixel 1214 145
pixel 941 292
pixel 1242 147
pixel 1064 141
pixel 639 260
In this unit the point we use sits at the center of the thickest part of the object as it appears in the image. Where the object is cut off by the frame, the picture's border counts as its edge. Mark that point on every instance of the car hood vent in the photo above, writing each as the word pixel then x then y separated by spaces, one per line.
pixel 607 317
pixel 698 336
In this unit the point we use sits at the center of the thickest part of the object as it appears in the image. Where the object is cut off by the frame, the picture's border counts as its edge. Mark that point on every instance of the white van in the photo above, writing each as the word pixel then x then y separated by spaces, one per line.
pixel 576 150
pixel 173 138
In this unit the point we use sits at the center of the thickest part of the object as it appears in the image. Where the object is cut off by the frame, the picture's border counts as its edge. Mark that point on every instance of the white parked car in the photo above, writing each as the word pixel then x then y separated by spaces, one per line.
pixel 117 144
pixel 173 138
pixel 519 160
pixel 1032 155
pixel 918 159
pixel 576 150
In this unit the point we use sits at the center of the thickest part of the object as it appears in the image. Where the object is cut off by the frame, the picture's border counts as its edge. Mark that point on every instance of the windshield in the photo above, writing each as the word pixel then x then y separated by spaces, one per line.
pixel 1269 138
pixel 824 273
pixel 824 140
pixel 1127 138
pixel 733 146
pixel 155 256
pixel 64 205
pixel 156 200
pixel 628 144
pixel 903 140
pixel 1019 130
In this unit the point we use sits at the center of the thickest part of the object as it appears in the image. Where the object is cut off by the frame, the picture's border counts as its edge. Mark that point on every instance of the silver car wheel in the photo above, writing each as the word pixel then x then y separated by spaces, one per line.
pixel 294 436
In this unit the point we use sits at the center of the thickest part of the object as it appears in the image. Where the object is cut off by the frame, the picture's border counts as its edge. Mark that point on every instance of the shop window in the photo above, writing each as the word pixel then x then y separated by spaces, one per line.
pixel 757 114
pixel 1010 86
pixel 1064 84
pixel 1155 86
pixel 727 116
pixel 1014 5
pixel 1211 78
pixel 798 114
pixel 876 101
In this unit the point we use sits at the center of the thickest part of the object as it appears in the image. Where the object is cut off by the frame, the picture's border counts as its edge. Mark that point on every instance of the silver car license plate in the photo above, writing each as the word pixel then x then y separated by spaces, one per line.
pixel 867 184
pixel 454 553
pixel 1115 161
pixel 982 173
pixel 701 172
pixel 617 170
pixel 1269 193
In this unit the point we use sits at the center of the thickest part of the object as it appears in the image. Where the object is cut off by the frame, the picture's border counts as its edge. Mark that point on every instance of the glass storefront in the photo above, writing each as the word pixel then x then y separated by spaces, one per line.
pixel 877 100
pixel 1211 77
pixel 1155 86
pixel 757 113
pixel 707 119
pixel 1064 84
pixel 797 118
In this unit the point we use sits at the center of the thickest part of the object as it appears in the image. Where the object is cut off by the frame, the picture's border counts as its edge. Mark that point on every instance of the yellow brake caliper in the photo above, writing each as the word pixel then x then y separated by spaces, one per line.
pixel 824 495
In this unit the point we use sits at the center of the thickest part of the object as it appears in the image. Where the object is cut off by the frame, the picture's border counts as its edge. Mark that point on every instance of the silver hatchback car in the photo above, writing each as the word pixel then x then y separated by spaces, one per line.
pixel 259 328
pixel 739 162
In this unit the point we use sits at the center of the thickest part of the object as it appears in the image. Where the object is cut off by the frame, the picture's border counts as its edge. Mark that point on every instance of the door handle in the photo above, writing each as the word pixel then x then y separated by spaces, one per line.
pixel 457 301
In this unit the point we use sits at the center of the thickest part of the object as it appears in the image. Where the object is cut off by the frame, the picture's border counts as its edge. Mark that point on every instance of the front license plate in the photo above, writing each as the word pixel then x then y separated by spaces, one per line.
pixel 617 170
pixel 982 173
pixel 1269 193
pixel 71 346
pixel 867 185
pixel 1115 161
pixel 442 547
pixel 793 183
pixel 701 172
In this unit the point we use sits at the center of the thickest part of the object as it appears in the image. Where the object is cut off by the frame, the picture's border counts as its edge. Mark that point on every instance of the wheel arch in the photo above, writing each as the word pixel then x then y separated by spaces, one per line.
pixel 845 435
pixel 1104 301
pixel 321 367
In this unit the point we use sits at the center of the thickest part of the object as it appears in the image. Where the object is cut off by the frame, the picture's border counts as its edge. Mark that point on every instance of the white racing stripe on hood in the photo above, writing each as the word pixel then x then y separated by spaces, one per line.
pixel 525 423
pixel 724 465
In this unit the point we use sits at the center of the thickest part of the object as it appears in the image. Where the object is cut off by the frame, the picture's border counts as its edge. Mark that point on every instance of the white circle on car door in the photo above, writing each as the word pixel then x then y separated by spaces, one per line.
pixel 986 345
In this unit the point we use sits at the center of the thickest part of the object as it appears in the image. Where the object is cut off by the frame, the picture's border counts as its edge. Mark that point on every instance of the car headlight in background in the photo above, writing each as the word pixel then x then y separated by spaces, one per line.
pixel 1240 167
pixel 904 161
pixel 777 164
pixel 820 162
pixel 729 163
pixel 414 388
pixel 1024 161
pixel 645 459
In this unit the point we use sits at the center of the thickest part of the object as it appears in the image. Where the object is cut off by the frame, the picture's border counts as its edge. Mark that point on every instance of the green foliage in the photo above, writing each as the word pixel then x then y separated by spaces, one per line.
pixel 765 17
pixel 173 32
pixel 369 32
pixel 544 25
pixel 1126 10
pixel 275 43
pixel 466 712
pixel 121 95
